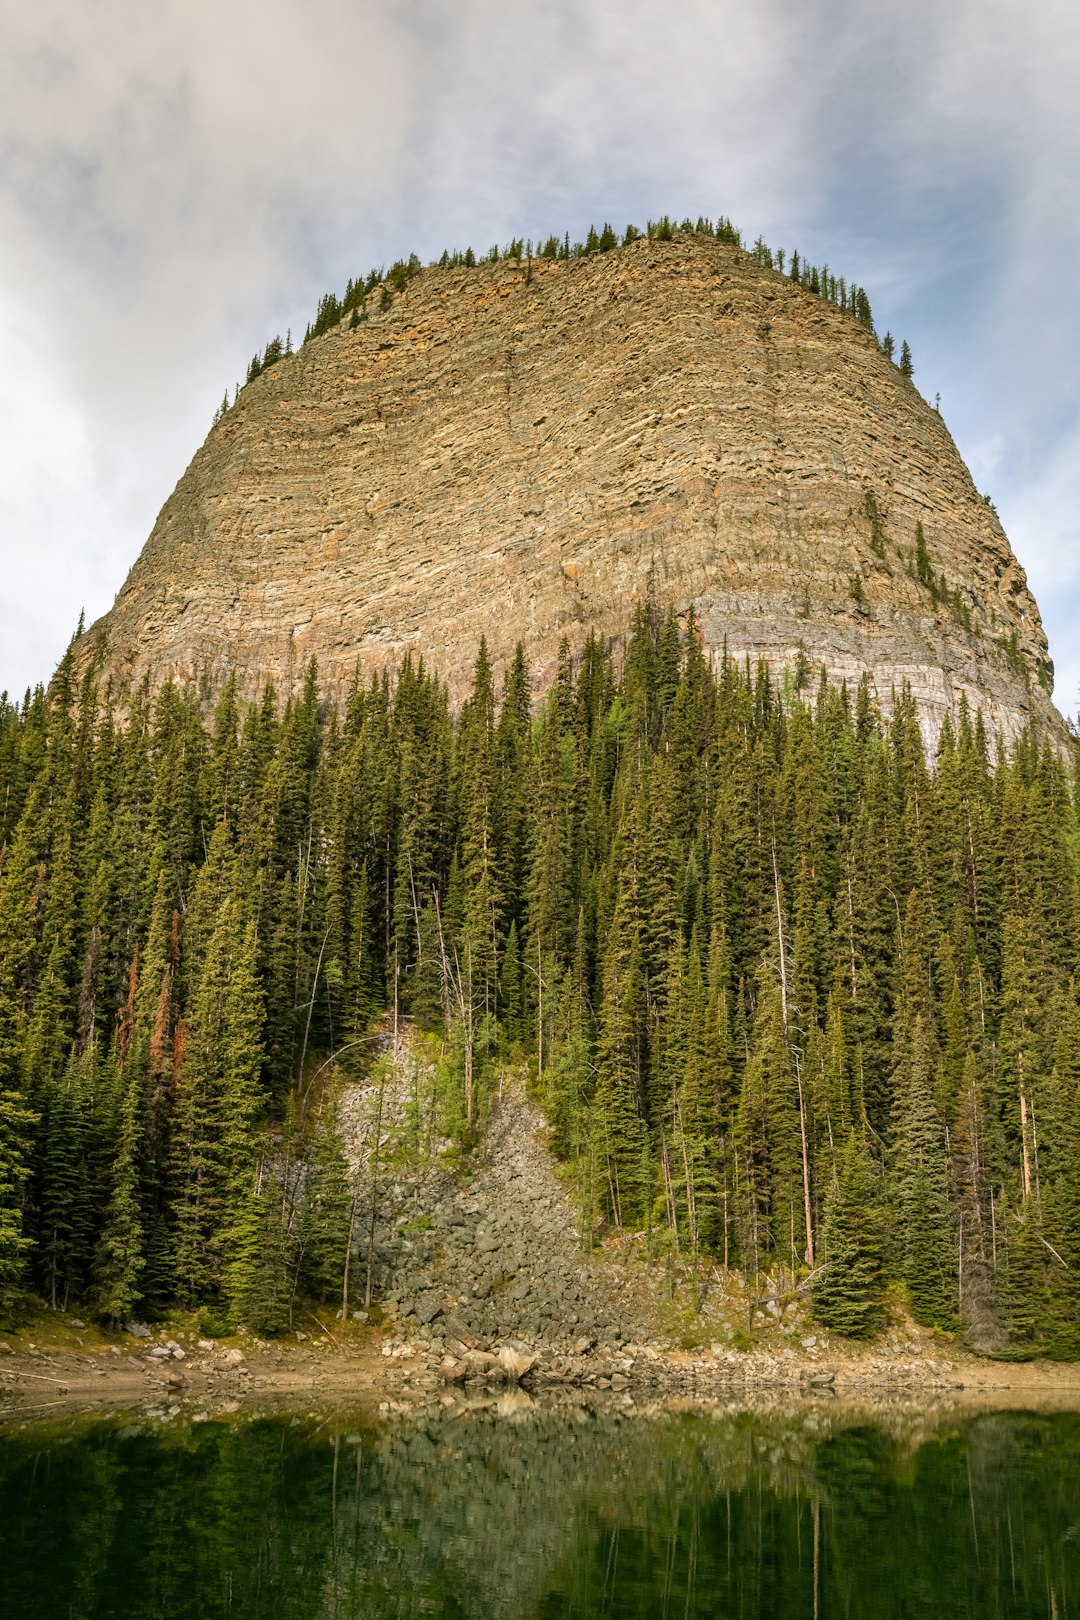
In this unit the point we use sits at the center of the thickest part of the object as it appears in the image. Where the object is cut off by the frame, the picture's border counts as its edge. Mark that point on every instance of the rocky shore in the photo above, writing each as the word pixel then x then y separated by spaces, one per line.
pixel 393 1372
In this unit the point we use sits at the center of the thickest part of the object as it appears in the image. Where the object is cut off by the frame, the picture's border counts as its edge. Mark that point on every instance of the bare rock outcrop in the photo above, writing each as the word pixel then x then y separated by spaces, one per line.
pixel 522 451
pixel 497 1258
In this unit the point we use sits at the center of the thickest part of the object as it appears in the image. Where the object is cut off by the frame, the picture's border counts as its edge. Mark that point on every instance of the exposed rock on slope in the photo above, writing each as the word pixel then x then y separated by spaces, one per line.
pixel 517 451
pixel 499 1256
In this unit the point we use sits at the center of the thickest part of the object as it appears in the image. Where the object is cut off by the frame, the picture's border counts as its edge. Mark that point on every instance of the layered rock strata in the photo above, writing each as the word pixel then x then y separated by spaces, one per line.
pixel 524 451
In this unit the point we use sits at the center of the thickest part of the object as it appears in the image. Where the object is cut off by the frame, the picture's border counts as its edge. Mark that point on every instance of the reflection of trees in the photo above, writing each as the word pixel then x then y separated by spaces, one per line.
pixel 551 1513
pixel 207 1523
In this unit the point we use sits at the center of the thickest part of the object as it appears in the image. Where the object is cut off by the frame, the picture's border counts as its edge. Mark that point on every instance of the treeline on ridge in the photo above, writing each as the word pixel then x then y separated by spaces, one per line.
pixel 386 283
pixel 792 995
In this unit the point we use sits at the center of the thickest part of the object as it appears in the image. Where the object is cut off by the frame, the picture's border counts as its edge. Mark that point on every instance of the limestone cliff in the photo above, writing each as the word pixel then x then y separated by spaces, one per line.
pixel 524 451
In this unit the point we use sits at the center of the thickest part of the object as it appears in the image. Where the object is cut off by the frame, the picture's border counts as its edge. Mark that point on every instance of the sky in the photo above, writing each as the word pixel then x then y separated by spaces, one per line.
pixel 181 181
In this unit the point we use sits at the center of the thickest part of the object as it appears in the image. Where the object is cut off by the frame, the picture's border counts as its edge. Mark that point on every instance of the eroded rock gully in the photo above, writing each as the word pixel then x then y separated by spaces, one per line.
pixel 483 1281
pixel 523 451
pixel 494 1258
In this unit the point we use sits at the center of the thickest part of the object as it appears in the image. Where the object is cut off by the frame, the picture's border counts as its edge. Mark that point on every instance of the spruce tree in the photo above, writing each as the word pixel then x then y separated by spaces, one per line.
pixel 847 1298
pixel 17 1122
pixel 928 1247
pixel 120 1261
pixel 328 1204
pixel 735 919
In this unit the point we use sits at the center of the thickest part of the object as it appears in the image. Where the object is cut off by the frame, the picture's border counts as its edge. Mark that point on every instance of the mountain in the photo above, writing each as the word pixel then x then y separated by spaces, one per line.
pixel 801 1011
pixel 523 449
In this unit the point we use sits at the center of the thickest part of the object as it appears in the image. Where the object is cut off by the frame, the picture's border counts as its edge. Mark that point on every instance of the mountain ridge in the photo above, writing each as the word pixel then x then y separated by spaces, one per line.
pixel 521 449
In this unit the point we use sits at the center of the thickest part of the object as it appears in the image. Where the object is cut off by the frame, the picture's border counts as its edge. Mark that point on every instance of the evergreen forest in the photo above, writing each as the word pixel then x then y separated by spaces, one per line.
pixel 793 994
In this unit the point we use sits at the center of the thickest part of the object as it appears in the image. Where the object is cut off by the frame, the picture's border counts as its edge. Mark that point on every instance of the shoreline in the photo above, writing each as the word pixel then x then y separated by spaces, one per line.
pixel 395 1375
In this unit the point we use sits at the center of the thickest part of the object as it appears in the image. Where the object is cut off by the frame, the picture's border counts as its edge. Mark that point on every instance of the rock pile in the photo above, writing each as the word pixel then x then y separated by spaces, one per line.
pixel 499 1259
pixel 484 1284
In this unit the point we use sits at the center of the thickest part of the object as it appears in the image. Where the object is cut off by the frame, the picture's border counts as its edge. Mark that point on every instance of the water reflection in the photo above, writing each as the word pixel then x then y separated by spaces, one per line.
pixel 547 1513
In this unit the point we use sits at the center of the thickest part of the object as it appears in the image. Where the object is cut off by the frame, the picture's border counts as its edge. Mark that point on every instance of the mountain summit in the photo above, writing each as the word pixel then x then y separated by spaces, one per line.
pixel 522 449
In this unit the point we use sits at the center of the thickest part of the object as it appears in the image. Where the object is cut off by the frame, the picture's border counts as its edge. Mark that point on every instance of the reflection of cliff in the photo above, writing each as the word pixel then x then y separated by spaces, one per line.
pixel 522 451
pixel 730 1514
pixel 504 1514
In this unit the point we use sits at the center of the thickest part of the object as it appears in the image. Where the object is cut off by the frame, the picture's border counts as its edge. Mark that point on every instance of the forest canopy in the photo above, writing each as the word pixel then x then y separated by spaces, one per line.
pixel 791 992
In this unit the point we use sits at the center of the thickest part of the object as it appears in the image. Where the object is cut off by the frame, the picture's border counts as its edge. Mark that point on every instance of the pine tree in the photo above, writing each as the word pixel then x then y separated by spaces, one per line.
pixel 16 1125
pixel 480 863
pixel 326 1217
pixel 928 1263
pixel 622 1089
pixel 847 1298
pixel 120 1260
pixel 737 919
pixel 214 1151
pixel 263 1263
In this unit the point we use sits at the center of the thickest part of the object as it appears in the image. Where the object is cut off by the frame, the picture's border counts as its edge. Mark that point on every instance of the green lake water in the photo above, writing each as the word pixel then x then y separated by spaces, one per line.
pixel 545 1512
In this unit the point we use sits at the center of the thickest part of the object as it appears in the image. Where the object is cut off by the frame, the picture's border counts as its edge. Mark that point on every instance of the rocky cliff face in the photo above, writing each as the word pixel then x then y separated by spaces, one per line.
pixel 523 452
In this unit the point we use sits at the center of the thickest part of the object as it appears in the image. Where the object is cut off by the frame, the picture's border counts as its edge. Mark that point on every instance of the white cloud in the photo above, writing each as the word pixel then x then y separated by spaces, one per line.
pixel 984 459
pixel 1044 521
pixel 179 181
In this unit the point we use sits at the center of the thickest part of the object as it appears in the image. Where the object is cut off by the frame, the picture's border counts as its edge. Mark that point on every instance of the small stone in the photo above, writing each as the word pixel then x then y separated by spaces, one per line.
pixel 465 1331
pixel 514 1363
pixel 453 1370
pixel 480 1364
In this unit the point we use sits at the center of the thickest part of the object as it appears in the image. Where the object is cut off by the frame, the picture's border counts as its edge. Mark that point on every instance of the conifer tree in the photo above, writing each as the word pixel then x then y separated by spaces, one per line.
pixel 737 920
pixel 16 1125
pixel 261 1275
pixel 928 1264
pixel 120 1261
pixel 847 1298
pixel 214 1151
pixel 480 863
pixel 326 1217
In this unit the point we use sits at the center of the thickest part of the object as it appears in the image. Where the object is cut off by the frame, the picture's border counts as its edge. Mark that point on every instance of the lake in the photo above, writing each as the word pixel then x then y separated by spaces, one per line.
pixel 518 1510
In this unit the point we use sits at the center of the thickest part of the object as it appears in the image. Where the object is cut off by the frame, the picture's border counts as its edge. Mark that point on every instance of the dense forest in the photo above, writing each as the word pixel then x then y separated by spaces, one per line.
pixel 793 994
pixel 384 284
